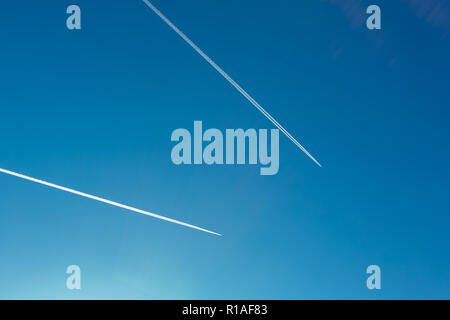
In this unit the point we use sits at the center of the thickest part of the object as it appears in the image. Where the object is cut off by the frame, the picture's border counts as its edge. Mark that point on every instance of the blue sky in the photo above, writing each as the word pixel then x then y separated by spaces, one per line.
pixel 94 110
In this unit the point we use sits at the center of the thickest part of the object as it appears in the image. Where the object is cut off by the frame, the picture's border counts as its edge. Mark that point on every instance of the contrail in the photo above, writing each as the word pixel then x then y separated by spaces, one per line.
pixel 230 80
pixel 105 201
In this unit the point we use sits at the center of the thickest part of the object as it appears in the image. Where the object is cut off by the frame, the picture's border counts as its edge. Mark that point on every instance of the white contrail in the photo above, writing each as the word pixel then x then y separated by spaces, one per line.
pixel 104 200
pixel 230 80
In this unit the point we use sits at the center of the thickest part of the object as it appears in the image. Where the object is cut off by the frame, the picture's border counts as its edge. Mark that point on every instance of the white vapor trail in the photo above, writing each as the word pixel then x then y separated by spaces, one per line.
pixel 230 80
pixel 105 201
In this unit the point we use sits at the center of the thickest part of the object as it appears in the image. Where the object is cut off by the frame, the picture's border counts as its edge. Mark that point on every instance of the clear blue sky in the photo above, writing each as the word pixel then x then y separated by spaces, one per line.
pixel 94 110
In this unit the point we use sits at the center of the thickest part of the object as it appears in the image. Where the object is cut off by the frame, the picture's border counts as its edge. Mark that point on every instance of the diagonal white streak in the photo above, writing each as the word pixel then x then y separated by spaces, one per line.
pixel 105 201
pixel 230 80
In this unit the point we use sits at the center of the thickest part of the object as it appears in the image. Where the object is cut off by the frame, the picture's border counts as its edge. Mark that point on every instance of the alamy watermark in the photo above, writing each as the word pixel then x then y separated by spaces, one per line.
pixel 73 282
pixel 190 149
pixel 374 280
